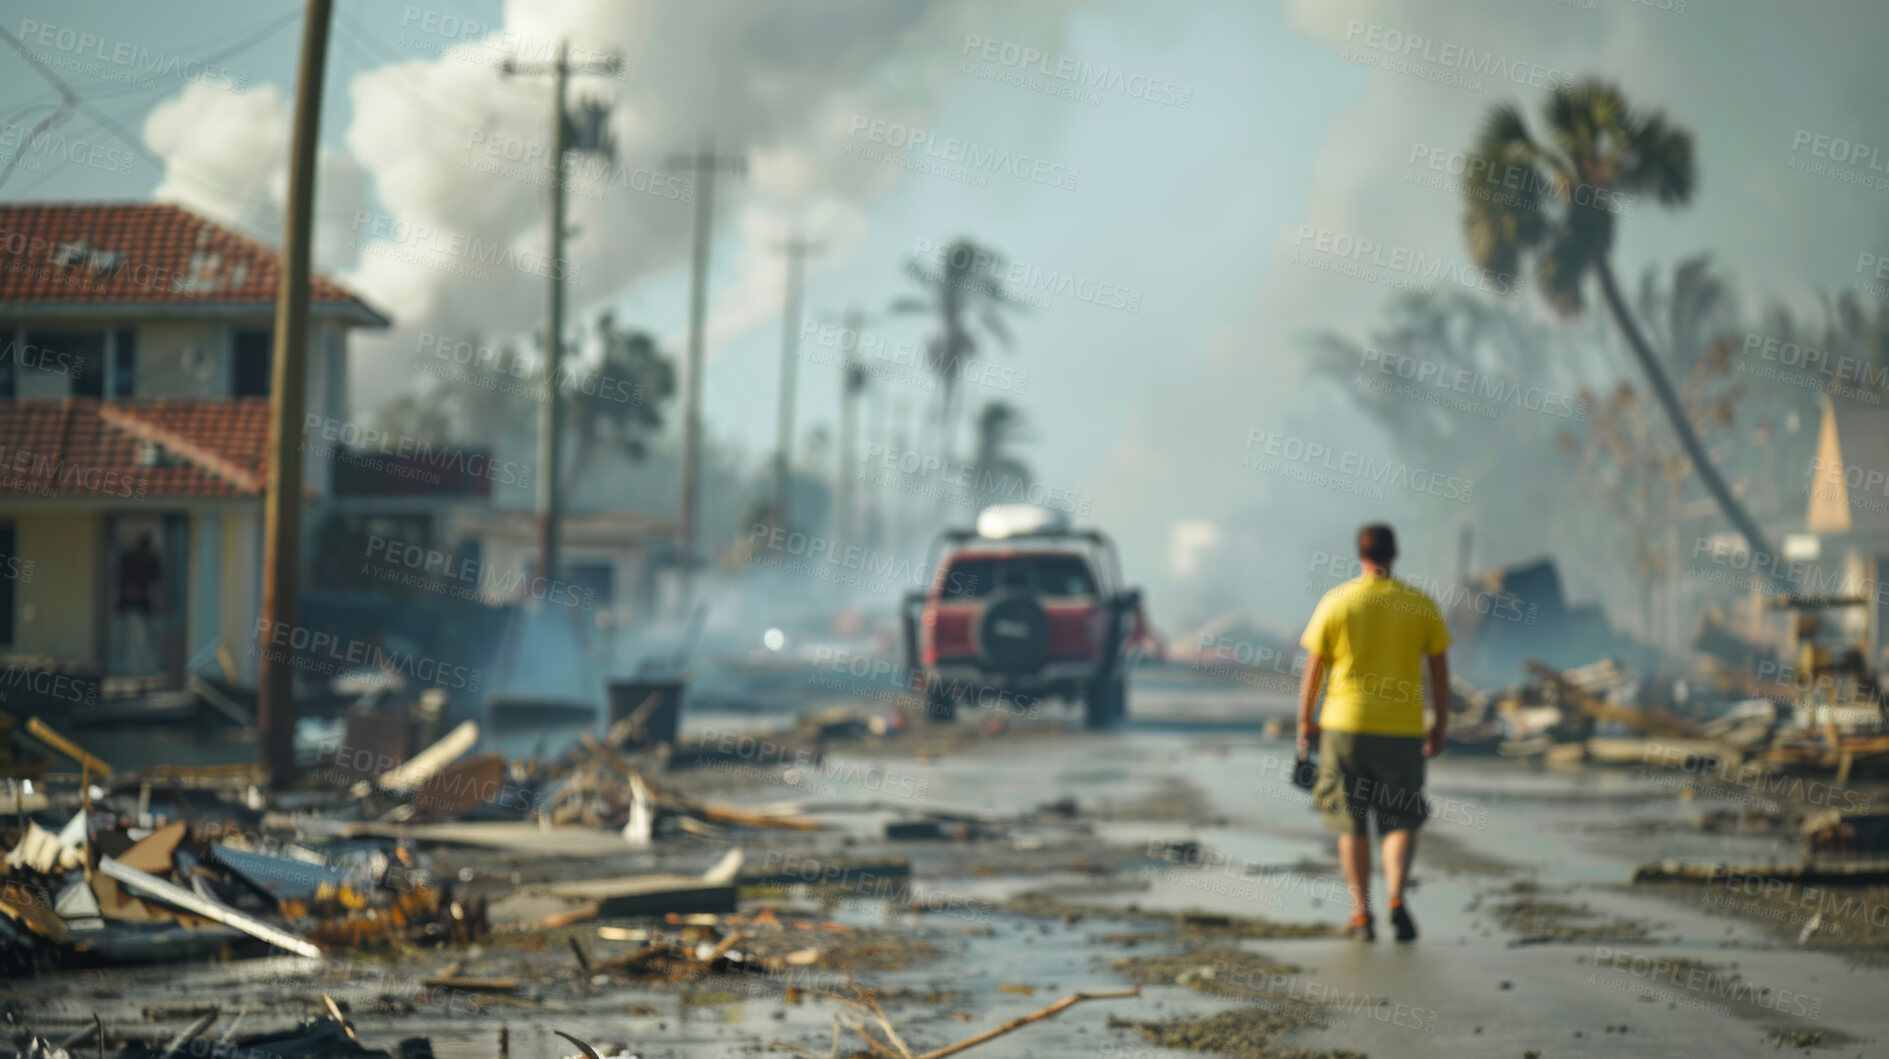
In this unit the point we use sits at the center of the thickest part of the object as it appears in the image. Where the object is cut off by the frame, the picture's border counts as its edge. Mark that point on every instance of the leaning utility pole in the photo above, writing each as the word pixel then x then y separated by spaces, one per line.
pixel 705 163
pixel 797 250
pixel 550 413
pixel 288 366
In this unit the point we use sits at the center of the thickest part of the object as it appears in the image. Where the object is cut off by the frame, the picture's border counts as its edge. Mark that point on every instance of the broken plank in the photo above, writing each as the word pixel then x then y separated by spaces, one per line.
pixel 650 895
pixel 427 763
pixel 471 985
pixel 509 836
pixel 43 732
pixel 170 893
pixel 850 873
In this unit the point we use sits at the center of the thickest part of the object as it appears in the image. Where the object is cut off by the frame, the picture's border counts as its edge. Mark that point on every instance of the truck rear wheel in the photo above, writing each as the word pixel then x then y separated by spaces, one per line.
pixel 940 703
pixel 1106 703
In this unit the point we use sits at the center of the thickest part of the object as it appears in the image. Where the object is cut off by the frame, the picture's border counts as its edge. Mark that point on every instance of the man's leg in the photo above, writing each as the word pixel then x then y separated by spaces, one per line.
pixel 1333 793
pixel 1400 849
pixel 1354 854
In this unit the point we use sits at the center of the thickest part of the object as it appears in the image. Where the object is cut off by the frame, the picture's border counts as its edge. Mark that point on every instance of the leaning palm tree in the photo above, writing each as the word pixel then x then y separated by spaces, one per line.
pixel 1562 215
pixel 966 288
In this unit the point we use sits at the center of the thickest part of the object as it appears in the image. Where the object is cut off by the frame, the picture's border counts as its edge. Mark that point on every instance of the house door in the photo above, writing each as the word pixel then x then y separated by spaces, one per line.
pixel 146 583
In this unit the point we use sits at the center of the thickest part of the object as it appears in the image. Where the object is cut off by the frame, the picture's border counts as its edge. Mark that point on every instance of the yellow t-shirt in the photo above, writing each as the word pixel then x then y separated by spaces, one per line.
pixel 1374 632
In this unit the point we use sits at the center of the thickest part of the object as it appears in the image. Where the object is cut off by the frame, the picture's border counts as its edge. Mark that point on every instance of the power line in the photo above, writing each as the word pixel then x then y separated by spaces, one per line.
pixel 254 38
pixel 62 109
pixel 110 124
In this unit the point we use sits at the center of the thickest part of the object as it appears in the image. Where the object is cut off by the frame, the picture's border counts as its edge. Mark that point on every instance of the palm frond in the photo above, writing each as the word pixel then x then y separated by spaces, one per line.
pixel 1587 120
pixel 918 273
pixel 1659 159
pixel 1501 223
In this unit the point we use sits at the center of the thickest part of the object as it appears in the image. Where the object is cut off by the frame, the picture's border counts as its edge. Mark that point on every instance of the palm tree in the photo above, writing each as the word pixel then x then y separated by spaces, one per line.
pixel 1562 214
pixel 619 405
pixel 964 290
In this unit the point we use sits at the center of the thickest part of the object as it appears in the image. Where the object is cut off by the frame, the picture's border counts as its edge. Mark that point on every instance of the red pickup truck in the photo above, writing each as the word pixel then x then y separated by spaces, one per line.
pixel 1023 611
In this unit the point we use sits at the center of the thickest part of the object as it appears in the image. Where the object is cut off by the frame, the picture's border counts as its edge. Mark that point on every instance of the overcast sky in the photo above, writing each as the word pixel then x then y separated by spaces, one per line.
pixel 1181 185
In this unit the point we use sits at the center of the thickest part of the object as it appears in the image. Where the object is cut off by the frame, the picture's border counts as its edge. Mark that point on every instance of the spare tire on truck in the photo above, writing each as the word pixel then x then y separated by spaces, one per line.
pixel 1012 635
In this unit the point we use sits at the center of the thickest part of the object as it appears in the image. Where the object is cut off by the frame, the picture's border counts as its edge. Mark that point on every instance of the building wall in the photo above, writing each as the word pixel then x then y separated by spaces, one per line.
pixel 183 359
pixel 58 608
pixel 206 578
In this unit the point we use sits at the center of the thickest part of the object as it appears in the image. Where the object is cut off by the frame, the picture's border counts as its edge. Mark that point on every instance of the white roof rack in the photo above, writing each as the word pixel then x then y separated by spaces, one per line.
pixel 1019 520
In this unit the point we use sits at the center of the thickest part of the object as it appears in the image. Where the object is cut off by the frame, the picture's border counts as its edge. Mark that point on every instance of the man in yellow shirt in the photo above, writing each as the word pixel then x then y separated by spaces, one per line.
pixel 1372 636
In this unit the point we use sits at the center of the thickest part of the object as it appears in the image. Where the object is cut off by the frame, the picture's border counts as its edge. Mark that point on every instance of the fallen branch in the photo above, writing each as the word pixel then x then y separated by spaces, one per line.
pixel 885 1023
pixel 1017 1023
pixel 589 1052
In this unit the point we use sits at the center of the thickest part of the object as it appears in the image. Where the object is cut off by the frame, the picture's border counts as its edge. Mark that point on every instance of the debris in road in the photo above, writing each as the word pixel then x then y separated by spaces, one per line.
pixel 884 1040
pixel 415 771
pixel 650 895
pixel 189 900
pixel 43 732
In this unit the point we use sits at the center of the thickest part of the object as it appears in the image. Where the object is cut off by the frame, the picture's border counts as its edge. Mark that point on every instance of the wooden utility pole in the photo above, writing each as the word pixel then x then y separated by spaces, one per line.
pixel 852 381
pixel 706 164
pixel 282 506
pixel 551 412
pixel 797 251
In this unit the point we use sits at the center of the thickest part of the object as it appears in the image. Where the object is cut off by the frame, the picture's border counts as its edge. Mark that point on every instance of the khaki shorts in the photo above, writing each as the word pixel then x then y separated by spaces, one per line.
pixel 1363 777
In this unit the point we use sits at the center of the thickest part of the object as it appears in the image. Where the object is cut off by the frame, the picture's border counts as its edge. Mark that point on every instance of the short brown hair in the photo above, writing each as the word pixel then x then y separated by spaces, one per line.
pixel 1377 542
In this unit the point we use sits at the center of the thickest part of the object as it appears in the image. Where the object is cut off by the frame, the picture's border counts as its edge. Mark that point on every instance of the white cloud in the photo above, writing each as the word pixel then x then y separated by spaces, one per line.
pixel 226 157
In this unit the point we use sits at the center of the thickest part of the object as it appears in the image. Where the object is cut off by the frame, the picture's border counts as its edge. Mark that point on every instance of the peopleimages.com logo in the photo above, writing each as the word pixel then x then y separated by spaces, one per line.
pixel 1345 470
pixel 327 654
pixel 362 444
pixel 1344 254
pixel 970 154
pixel 1076 73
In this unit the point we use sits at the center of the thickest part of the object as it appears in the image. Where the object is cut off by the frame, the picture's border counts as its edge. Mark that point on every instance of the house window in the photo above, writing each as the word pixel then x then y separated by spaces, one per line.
pixel 125 363
pixel 598 578
pixel 12 570
pixel 7 339
pixel 255 348
pixel 55 363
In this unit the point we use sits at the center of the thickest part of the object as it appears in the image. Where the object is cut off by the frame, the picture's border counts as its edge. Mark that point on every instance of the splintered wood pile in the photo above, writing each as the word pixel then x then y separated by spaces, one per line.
pixel 1848 753
pixel 1583 687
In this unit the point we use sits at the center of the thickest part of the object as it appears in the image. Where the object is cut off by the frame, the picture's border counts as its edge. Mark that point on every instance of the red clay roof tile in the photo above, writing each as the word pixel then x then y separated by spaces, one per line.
pixel 80 446
pixel 136 253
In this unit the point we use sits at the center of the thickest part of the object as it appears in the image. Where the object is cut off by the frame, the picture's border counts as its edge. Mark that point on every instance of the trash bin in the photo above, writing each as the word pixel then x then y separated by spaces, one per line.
pixel 666 719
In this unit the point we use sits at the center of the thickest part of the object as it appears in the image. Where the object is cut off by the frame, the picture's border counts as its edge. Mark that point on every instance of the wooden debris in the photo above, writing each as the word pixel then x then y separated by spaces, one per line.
pixel 154 852
pixel 43 732
pixel 427 763
pixel 472 985
pixel 650 895
pixel 587 1050
pixel 892 1047
pixel 171 893
pixel 1576 688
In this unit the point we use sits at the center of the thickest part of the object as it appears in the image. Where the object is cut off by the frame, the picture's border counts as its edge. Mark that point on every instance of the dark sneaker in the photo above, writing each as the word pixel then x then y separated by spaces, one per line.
pixel 1405 926
pixel 1361 929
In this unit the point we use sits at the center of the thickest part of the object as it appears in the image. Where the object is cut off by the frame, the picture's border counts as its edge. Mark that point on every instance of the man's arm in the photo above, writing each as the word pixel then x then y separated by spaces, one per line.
pixel 1308 700
pixel 1440 680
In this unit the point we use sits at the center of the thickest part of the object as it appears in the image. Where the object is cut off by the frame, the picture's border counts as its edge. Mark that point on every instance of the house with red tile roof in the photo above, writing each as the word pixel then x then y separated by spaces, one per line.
pixel 136 342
